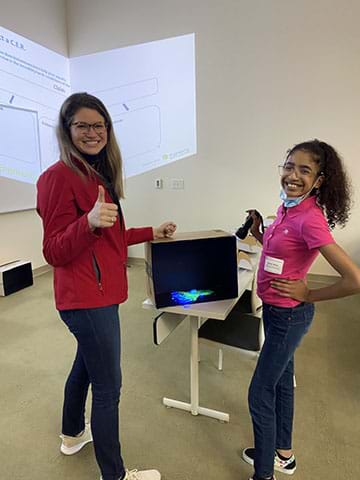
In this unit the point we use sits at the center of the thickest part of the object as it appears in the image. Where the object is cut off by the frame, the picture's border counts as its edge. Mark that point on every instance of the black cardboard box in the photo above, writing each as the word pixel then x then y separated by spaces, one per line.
pixel 191 268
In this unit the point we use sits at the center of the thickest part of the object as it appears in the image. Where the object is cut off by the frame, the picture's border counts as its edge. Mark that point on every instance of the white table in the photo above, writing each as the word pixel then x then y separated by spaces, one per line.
pixel 197 314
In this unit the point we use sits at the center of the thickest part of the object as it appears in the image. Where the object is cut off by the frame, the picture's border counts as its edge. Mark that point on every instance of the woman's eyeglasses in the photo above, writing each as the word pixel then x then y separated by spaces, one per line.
pixel 83 127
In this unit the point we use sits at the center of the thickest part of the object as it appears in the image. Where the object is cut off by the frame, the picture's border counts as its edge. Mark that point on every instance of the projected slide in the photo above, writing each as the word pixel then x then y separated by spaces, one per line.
pixel 34 82
pixel 138 130
pixel 142 123
pixel 150 96
pixel 46 121
pixel 149 90
pixel 20 160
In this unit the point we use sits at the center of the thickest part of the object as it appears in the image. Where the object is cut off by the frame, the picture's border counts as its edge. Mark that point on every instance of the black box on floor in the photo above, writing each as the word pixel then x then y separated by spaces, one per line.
pixel 14 276
pixel 192 268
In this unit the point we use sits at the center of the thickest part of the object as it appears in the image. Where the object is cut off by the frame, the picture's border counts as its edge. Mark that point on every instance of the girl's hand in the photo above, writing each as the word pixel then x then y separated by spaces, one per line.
pixel 255 227
pixel 295 289
pixel 166 229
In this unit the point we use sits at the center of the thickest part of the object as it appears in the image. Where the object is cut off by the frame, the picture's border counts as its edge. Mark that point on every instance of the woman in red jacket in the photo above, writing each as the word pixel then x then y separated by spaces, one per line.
pixel 86 241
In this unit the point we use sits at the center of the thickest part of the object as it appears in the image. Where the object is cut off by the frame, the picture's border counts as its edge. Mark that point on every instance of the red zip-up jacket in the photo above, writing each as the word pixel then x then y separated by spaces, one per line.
pixel 89 267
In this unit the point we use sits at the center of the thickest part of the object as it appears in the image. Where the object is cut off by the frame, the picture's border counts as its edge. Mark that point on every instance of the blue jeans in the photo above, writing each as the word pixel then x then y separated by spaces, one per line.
pixel 271 392
pixel 97 362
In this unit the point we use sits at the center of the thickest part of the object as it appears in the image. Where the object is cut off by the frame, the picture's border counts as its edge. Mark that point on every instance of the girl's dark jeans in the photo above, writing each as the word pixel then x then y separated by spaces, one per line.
pixel 271 392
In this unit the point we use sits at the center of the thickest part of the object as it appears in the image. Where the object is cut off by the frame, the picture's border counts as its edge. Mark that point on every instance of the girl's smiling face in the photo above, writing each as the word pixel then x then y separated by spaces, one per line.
pixel 300 174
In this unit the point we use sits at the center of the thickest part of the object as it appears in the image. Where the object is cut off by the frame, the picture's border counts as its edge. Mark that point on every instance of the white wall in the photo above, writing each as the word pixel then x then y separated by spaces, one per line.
pixel 44 22
pixel 270 73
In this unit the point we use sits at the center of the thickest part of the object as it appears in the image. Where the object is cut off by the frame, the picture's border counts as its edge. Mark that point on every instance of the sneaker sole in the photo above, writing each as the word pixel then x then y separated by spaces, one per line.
pixel 247 459
pixel 158 475
pixel 273 478
pixel 72 450
pixel 286 471
pixel 250 461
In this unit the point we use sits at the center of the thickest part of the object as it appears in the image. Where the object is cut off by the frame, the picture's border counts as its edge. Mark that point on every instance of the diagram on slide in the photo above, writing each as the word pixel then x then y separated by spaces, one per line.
pixel 34 82
pixel 137 124
pixel 20 157
pixel 149 90
pixel 123 94
pixel 142 123
pixel 46 124
pixel 151 99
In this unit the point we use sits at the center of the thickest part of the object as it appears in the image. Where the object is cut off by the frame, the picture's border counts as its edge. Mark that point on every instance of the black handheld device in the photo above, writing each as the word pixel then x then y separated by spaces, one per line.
pixel 242 231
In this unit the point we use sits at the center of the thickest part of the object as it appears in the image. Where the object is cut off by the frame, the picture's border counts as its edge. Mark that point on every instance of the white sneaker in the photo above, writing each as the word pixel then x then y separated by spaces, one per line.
pixel 72 445
pixel 141 475
pixel 284 466
pixel 273 478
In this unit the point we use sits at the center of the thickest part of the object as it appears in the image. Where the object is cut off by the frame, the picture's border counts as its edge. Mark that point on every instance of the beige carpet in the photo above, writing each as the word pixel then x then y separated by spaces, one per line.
pixel 36 352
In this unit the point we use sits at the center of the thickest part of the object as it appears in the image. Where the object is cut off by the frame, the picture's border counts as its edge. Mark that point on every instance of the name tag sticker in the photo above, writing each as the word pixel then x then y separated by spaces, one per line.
pixel 273 265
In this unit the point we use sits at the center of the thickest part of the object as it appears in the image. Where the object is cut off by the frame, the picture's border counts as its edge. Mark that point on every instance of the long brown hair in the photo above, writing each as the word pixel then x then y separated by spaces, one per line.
pixel 67 149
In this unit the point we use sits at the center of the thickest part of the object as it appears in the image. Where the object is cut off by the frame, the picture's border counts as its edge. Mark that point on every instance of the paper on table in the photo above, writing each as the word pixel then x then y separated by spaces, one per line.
pixel 244 247
pixel 244 261
pixel 268 221
pixel 248 245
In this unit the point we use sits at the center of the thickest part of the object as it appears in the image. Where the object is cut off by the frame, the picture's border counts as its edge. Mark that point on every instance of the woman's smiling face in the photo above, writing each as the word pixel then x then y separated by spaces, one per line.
pixel 92 139
pixel 300 174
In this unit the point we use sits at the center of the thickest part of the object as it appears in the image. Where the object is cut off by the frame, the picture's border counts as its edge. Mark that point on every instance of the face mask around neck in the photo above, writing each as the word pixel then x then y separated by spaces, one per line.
pixel 294 201
pixel 291 202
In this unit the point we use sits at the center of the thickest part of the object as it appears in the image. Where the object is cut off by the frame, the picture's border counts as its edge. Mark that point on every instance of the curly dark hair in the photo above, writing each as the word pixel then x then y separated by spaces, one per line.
pixel 334 194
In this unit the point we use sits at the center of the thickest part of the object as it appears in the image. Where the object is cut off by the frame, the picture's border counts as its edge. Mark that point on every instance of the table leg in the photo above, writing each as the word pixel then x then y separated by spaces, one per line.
pixel 194 365
pixel 193 406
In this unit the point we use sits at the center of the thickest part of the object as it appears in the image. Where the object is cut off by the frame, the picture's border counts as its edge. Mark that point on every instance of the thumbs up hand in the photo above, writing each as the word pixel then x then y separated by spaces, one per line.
pixel 102 215
pixel 101 195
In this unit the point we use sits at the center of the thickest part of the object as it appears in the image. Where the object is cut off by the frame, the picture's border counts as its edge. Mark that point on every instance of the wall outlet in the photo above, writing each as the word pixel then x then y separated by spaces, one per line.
pixel 159 183
pixel 177 183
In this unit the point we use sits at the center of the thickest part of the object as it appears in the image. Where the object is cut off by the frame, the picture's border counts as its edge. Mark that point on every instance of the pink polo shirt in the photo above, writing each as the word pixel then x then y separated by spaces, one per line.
pixel 295 237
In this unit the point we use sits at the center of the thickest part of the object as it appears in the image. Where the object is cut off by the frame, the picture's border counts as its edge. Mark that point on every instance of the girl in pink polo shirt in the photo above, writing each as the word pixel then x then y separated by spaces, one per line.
pixel 316 197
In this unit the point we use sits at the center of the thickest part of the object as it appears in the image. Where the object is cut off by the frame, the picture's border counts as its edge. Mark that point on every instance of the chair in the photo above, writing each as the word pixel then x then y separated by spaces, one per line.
pixel 242 329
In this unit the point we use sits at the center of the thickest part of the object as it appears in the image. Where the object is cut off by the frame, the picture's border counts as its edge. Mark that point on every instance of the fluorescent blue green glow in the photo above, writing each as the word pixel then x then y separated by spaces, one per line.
pixel 190 296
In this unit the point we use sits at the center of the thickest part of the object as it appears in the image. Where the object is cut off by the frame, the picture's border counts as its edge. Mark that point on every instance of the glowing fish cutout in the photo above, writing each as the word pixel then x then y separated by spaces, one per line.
pixel 190 296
